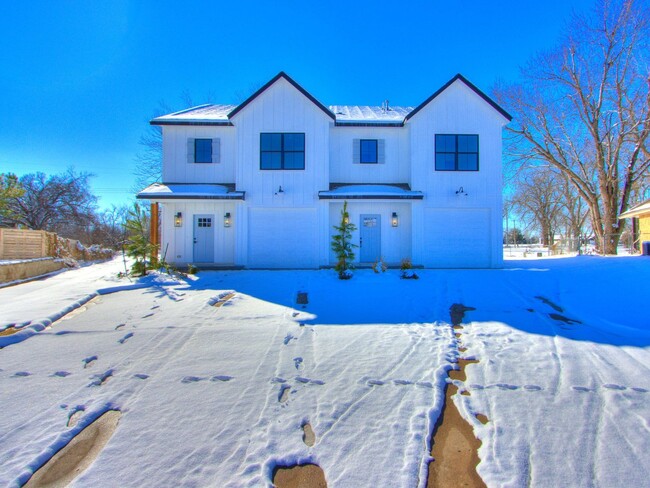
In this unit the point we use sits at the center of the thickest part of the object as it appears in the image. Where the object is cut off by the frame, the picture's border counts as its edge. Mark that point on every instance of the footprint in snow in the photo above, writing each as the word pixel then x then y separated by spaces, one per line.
pixel 375 382
pixel 425 384
pixel 283 395
pixel 191 379
pixel 277 379
pixel 141 376
pixel 100 379
pixel 581 389
pixel 506 386
pixel 154 307
pixel 221 377
pixel 120 326
pixel 611 386
pixel 147 316
pixel 639 390
pixel 61 374
pixel 402 382
pixel 288 339
pixel 532 388
pixel 20 374
pixel 125 338
pixel 89 361
pixel 297 362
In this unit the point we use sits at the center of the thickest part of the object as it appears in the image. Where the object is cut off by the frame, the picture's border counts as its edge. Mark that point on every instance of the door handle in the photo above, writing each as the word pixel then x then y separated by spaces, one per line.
pixel 195 240
pixel 360 241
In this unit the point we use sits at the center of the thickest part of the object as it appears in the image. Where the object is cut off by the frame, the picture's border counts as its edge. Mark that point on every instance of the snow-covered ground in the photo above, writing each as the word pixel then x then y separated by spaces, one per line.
pixel 217 396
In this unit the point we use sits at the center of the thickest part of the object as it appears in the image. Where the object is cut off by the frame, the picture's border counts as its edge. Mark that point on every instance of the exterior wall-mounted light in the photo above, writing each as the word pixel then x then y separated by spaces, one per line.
pixel 227 222
pixel 461 191
pixel 394 220
pixel 178 219
pixel 280 191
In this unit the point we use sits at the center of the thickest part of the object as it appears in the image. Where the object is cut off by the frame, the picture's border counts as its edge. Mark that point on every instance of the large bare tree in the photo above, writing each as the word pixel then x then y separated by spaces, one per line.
pixel 584 109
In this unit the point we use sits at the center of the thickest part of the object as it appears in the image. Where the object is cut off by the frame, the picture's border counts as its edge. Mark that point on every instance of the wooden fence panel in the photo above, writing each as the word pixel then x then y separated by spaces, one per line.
pixel 22 244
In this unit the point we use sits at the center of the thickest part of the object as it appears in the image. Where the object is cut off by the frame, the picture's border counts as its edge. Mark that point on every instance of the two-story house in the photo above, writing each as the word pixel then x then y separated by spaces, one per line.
pixel 262 184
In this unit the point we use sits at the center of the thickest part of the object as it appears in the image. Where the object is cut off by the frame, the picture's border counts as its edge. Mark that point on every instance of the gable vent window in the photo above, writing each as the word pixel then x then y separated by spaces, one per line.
pixel 203 151
pixel 368 151
pixel 456 152
pixel 283 150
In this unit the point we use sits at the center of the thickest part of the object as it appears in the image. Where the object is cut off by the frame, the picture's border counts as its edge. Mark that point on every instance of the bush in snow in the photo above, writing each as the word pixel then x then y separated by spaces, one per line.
pixel 407 270
pixel 342 245
pixel 137 242
pixel 379 265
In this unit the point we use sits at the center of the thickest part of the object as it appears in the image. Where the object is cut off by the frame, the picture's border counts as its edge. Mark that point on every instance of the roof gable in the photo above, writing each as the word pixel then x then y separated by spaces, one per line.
pixel 281 74
pixel 469 85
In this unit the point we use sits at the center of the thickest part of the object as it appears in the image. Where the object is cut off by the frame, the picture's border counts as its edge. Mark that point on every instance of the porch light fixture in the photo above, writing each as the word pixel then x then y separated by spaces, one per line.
pixel 394 220
pixel 460 192
pixel 226 220
pixel 178 219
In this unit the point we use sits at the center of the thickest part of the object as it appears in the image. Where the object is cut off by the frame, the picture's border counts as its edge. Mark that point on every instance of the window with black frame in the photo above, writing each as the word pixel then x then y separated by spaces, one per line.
pixel 282 151
pixel 456 152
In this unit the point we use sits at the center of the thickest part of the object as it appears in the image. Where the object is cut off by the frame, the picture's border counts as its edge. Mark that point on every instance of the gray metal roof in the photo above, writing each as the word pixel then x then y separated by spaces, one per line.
pixel 368 114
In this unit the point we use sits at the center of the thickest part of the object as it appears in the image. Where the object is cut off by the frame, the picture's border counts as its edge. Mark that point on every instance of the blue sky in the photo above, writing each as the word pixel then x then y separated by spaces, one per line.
pixel 80 80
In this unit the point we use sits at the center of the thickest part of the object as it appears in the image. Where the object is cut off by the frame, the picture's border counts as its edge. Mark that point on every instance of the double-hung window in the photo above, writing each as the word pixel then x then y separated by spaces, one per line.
pixel 456 152
pixel 202 150
pixel 282 150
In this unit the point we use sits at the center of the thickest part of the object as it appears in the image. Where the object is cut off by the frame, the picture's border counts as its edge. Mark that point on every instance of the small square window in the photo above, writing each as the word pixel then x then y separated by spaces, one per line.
pixel 203 150
pixel 368 151
pixel 283 150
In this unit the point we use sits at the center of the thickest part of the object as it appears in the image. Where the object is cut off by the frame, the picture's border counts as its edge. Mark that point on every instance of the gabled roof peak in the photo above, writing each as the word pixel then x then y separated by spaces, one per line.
pixel 471 86
pixel 282 74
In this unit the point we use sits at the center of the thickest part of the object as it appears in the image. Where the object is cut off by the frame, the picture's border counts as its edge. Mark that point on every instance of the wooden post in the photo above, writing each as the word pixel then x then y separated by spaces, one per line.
pixel 154 232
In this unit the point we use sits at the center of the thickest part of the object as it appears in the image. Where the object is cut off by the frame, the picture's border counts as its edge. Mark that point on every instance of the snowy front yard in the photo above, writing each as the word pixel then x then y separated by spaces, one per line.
pixel 218 395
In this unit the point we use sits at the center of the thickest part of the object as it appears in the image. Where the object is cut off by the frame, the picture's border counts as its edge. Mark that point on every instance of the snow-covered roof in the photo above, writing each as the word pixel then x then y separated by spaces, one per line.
pixel 380 192
pixel 178 191
pixel 360 114
pixel 201 114
pixel 641 209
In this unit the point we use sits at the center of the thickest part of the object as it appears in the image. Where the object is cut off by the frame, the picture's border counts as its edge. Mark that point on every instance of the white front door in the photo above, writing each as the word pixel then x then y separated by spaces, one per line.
pixel 204 238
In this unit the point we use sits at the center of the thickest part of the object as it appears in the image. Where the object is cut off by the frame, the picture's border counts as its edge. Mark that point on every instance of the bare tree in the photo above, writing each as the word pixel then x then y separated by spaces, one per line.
pixel 584 109
pixel 537 198
pixel 53 203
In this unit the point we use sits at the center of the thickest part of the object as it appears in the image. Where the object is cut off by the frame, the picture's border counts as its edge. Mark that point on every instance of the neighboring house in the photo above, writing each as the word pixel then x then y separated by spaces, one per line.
pixel 640 215
pixel 262 184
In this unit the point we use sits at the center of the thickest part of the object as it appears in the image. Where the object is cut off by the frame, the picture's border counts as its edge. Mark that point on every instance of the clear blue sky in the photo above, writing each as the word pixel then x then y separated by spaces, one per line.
pixel 80 80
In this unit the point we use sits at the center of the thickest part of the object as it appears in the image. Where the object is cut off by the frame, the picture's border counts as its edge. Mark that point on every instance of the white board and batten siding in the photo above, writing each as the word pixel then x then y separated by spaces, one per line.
pixel 178 152
pixel 395 241
pixel 472 223
pixel 177 243
pixel 393 149
pixel 282 228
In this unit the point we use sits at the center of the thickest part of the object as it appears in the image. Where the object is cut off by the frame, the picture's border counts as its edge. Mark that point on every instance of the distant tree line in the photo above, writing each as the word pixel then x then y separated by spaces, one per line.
pixel 62 203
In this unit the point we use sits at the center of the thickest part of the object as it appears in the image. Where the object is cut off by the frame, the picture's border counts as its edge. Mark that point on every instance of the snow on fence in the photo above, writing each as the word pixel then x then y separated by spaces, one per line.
pixel 34 244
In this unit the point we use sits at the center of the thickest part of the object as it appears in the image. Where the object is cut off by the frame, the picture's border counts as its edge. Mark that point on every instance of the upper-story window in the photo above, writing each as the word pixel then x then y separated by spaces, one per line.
pixel 203 150
pixel 456 152
pixel 284 150
pixel 368 151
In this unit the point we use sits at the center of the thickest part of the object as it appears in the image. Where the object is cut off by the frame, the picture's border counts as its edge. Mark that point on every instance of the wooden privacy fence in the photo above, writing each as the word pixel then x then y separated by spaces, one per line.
pixel 33 244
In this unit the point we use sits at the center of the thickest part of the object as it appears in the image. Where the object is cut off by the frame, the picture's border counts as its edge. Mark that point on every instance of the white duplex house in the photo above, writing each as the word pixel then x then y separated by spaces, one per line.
pixel 261 184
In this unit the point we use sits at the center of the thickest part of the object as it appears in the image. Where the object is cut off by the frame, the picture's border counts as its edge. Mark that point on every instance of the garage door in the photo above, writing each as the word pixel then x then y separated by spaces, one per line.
pixel 283 238
pixel 457 238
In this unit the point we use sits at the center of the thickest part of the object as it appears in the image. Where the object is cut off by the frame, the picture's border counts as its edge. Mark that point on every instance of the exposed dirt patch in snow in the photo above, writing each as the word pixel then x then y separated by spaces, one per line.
pixel 454 447
pixel 78 454
pixel 8 331
pixel 308 436
pixel 300 476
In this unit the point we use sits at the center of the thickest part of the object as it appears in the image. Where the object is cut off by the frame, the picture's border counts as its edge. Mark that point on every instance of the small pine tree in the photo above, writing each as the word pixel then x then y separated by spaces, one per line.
pixel 342 245
pixel 137 241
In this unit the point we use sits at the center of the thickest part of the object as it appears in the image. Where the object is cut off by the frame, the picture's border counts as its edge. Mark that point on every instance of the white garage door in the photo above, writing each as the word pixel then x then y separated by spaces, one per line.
pixel 457 238
pixel 283 238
